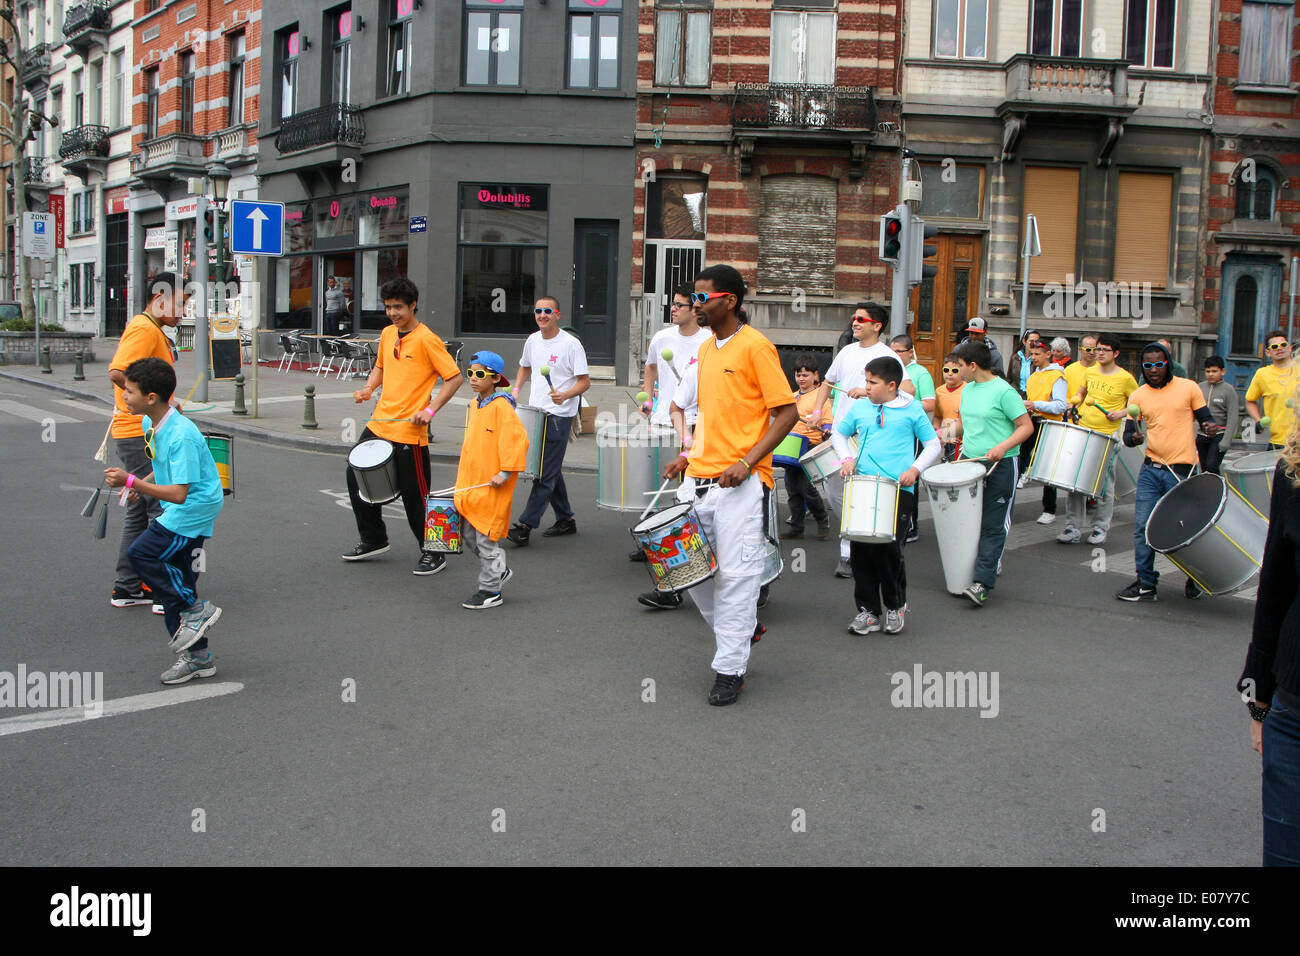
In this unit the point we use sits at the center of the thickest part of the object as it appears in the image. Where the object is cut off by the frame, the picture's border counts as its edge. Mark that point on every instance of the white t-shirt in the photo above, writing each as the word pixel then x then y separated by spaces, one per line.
pixel 686 395
pixel 849 371
pixel 684 348
pixel 567 359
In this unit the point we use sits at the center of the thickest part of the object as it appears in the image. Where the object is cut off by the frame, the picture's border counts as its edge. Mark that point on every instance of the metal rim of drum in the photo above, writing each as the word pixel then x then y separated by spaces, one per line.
pixel 1167 501
pixel 667 438
pixel 1090 435
pixel 876 481
pixel 952 477
pixel 1234 469
pixel 660 519
pixel 387 465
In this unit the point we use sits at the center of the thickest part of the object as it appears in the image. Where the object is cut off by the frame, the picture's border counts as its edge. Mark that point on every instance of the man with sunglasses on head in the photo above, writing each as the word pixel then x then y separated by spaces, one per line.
pixel 556 394
pixel 1170 407
pixel 409 362
pixel 848 372
pixel 1276 384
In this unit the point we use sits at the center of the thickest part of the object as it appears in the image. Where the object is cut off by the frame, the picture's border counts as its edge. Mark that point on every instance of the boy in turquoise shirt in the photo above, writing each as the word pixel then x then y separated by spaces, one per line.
pixel 888 425
pixel 185 480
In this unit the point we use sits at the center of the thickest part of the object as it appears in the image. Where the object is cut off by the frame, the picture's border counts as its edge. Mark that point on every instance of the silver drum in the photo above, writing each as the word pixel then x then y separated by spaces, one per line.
pixel 630 462
pixel 1072 457
pixel 1252 478
pixel 1211 532
pixel 773 564
pixel 375 468
pixel 534 420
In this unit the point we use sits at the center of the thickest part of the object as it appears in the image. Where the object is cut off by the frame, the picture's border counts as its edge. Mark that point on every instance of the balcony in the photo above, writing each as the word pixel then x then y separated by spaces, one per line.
pixel 164 158
pixel 85 150
pixel 36 68
pixel 1072 88
pixel 86 25
pixel 340 124
pixel 804 112
pixel 35 171
pixel 232 145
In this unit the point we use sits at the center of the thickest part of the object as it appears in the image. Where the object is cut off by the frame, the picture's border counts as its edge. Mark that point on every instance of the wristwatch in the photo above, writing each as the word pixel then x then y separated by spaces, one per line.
pixel 1257 712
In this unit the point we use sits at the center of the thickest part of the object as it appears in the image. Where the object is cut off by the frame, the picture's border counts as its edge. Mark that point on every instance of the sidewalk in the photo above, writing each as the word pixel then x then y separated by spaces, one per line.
pixel 340 419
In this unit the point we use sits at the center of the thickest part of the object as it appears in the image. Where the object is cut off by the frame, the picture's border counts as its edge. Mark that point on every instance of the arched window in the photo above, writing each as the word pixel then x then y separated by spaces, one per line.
pixel 1244 300
pixel 1256 187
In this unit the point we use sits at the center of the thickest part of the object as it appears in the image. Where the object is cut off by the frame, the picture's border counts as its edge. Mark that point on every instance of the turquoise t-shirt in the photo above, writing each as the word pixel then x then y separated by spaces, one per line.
pixel 887 449
pixel 181 457
pixel 988 414
pixel 922 379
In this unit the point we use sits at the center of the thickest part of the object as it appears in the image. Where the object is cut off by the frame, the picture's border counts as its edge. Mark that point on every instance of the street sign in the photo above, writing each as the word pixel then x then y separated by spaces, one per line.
pixel 419 224
pixel 38 235
pixel 256 228
pixel 56 210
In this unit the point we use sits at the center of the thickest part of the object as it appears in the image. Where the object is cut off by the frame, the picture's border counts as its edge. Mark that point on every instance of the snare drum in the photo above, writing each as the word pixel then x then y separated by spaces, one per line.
pixel 677 552
pixel 630 460
pixel 441 526
pixel 773 564
pixel 1252 478
pixel 375 468
pixel 821 464
pixel 222 448
pixel 870 512
pixel 1210 531
pixel 791 449
pixel 534 420
pixel 1072 457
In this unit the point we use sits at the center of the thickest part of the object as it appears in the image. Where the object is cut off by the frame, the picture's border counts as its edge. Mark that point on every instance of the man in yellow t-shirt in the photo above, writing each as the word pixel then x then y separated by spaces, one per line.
pixel 745 409
pixel 409 363
pixel 1277 385
pixel 1075 372
pixel 1046 399
pixel 143 337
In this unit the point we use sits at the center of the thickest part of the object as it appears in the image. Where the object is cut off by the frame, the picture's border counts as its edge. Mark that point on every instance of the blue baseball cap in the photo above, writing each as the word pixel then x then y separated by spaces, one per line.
pixel 492 362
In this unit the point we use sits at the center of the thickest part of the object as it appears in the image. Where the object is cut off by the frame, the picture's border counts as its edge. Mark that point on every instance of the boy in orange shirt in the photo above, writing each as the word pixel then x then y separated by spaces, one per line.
pixel 947 407
pixel 494 452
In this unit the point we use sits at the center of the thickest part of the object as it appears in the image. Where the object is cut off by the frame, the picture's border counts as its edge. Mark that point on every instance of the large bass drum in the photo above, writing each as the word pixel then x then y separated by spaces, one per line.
pixel 1072 457
pixel 1211 532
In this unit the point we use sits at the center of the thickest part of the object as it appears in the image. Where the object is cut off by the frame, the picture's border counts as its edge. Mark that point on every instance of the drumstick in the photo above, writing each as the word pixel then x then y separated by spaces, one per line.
pixel 655 500
pixel 445 491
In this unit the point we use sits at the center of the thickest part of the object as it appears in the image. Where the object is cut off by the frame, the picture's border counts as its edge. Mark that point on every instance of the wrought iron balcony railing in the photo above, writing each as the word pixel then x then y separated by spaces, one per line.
pixel 34 170
pixel 84 142
pixel 802 106
pixel 338 123
pixel 94 15
pixel 36 60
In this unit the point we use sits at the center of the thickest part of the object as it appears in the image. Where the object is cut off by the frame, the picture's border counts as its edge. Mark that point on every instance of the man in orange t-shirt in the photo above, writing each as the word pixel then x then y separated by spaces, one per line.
pixel 746 408
pixel 410 361
pixel 143 337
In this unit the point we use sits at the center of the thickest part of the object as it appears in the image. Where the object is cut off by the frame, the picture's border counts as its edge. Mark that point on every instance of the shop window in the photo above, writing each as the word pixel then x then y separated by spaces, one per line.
pixel 503 246
pixel 594 44
pixel 492 42
pixel 294 292
pixel 383 218
pixel 336 218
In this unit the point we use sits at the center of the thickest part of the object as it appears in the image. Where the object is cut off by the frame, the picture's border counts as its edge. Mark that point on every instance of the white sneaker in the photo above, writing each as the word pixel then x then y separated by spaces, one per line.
pixel 1024 480
pixel 1046 518
pixel 1098 536
pixel 1069 536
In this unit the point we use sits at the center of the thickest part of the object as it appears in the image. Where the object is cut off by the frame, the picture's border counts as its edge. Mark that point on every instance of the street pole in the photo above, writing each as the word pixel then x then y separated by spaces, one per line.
pixel 1024 297
pixel 256 299
pixel 221 258
pixel 1295 283
pixel 200 277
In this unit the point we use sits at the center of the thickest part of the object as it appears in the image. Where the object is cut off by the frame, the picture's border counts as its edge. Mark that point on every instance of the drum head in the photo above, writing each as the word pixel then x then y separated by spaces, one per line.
pixel 660 518
pixel 953 473
pixel 1186 512
pixel 372 452
pixel 1261 461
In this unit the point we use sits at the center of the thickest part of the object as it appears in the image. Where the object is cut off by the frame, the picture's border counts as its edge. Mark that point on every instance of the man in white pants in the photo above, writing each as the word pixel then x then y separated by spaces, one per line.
pixel 745 408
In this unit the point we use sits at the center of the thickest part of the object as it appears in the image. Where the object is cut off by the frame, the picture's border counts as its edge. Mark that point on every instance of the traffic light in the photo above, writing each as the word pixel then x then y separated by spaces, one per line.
pixel 893 226
pixel 918 231
pixel 210 227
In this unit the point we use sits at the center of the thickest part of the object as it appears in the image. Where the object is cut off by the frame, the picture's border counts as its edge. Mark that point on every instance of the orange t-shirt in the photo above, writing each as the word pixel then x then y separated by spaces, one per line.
pixel 495 440
pixel 739 385
pixel 1171 426
pixel 408 381
pixel 142 338
pixel 947 402
pixel 806 402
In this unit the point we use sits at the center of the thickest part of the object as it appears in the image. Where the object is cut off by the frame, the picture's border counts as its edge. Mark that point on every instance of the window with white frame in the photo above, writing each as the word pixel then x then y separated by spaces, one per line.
pixel 88 285
pixel 287 48
pixel 1056 28
pixel 961 29
pixel 97 91
pixel 151 103
pixel 187 92
pixel 803 48
pixel 74 285
pixel 1151 33
pixel 682 52
pixel 1266 29
pixel 118 105
pixel 235 80
pixel 341 55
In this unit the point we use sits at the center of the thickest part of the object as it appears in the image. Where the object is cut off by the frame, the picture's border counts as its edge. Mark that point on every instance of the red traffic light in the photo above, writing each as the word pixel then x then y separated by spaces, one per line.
pixel 893 226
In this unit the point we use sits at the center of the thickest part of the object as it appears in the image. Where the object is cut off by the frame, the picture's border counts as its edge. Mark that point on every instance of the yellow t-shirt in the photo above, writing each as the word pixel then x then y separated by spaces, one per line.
pixel 142 338
pixel 409 377
pixel 1170 424
pixel 1074 375
pixel 739 385
pixel 1110 392
pixel 1039 389
pixel 495 440
pixel 1275 387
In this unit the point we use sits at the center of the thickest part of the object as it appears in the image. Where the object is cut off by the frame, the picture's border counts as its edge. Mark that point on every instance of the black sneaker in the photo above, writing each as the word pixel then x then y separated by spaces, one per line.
pixel 518 534
pixel 561 527
pixel 483 599
pixel 913 534
pixel 130 597
pixel 430 563
pixel 1137 591
pixel 660 600
pixel 762 596
pixel 726 689
pixel 637 555
pixel 759 631
pixel 1191 591
pixel 363 551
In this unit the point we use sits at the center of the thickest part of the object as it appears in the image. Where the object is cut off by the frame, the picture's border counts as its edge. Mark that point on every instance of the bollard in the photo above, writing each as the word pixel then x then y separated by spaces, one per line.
pixel 239 408
pixel 79 371
pixel 45 360
pixel 309 407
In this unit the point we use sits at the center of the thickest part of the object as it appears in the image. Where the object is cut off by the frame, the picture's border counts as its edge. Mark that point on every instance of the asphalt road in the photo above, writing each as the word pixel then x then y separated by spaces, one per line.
pixel 531 718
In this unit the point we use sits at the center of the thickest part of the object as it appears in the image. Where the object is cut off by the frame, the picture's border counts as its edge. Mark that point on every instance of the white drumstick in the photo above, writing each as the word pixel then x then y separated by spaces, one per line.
pixel 655 500
pixel 451 491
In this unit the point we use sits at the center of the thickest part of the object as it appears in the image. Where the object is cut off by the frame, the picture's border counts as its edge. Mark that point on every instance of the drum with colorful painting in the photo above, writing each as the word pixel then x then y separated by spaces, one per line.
pixel 222 448
pixel 441 525
pixel 534 420
pixel 678 554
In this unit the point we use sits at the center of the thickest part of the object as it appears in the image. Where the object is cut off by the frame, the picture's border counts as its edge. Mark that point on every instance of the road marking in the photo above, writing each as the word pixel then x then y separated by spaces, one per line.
pixel 93 408
pixel 31 412
pixel 342 499
pixel 42 719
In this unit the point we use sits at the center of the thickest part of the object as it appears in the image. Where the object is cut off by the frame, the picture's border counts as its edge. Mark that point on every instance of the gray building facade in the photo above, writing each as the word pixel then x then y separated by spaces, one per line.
pixel 484 148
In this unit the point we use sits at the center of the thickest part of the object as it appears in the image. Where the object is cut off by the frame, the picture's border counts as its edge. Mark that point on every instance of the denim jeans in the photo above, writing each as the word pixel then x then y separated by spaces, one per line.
pixel 1152 484
pixel 548 487
pixel 1281 785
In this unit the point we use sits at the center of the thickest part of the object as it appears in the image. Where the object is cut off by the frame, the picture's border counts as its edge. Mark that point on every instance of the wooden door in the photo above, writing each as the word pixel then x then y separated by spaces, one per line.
pixel 942 303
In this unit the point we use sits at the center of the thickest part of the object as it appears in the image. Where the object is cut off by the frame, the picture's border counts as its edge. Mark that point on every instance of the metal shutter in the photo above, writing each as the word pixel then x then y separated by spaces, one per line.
pixel 1142 216
pixel 796 234
pixel 1052 195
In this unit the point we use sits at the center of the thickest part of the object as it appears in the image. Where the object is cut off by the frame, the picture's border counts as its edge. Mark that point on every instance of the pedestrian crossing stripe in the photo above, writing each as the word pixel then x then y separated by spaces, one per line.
pixel 32 413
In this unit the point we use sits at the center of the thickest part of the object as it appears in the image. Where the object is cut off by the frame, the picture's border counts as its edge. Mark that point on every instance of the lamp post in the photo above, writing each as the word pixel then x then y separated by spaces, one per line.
pixel 219 174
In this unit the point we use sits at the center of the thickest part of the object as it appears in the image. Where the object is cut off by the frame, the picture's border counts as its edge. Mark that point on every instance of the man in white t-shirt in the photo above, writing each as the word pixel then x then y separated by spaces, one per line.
pixel 848 372
pixel 555 392
pixel 671 354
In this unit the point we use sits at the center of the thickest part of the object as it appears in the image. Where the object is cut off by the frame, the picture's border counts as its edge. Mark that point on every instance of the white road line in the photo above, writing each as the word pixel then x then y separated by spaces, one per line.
pixel 94 408
pixel 42 719
pixel 31 412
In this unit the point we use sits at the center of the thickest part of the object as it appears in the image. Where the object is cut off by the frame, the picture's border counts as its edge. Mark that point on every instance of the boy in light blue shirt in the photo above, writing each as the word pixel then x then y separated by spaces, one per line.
pixel 888 425
pixel 184 478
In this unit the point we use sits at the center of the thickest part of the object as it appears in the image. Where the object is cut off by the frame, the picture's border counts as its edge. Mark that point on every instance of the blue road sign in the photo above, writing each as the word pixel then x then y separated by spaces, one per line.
pixel 419 224
pixel 256 228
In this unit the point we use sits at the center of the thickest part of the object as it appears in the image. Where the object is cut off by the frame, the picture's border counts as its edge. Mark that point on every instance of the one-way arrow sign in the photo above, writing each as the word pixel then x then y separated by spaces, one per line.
pixel 256 228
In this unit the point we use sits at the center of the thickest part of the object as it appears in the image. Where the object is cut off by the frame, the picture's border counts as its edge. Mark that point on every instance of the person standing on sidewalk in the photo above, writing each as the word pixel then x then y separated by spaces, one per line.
pixel 142 338
pixel 1221 400
pixel 409 362
pixel 556 393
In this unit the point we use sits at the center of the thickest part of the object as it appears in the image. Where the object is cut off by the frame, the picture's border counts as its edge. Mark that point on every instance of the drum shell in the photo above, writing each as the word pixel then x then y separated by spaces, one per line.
pixel 442 524
pixel 1127 465
pixel 1252 478
pixel 956 493
pixel 534 421
pixel 773 563
pixel 870 511
pixel 1210 531
pixel 677 527
pixel 629 462
pixel 1072 457
pixel 821 464
pixel 376 484
pixel 792 448
pixel 222 448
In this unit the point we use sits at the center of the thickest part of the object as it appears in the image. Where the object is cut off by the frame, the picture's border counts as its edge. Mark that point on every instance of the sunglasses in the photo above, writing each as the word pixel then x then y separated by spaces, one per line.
pixel 148 443
pixel 699 298
pixel 543 311
pixel 478 372
pixel 1088 348
pixel 950 370
pixel 1153 365
pixel 1277 346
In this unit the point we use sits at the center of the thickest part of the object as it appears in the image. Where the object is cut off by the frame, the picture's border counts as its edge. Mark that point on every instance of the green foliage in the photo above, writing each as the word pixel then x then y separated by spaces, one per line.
pixel 26 325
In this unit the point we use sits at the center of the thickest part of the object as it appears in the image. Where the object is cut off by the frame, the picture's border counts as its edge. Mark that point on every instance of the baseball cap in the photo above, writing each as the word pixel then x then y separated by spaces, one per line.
pixel 492 362
pixel 976 325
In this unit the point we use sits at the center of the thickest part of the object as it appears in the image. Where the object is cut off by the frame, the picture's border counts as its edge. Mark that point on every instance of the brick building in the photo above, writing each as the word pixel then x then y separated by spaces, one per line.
pixel 759 144
pixel 1253 214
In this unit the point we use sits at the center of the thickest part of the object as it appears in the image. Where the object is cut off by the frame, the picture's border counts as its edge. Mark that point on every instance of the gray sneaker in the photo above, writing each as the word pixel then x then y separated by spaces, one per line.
pixel 1098 536
pixel 189 665
pixel 194 624
pixel 894 620
pixel 864 623
pixel 843 569
pixel 1069 536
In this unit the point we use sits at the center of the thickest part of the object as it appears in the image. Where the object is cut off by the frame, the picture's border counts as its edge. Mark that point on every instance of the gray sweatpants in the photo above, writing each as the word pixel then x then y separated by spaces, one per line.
pixel 491 556
pixel 136 514
pixel 1076 503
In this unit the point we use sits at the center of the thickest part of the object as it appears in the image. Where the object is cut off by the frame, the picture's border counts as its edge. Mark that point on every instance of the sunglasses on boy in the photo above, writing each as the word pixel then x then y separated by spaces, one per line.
pixel 950 370
pixel 478 372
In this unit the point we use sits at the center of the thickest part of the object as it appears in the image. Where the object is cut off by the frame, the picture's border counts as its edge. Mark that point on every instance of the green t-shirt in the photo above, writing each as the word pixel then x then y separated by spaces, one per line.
pixel 988 414
pixel 922 379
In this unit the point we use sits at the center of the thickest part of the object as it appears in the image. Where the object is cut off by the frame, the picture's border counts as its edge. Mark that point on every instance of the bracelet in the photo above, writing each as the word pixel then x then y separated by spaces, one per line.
pixel 1257 712
pixel 682 454
pixel 429 410
pixel 130 480
pixel 746 464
